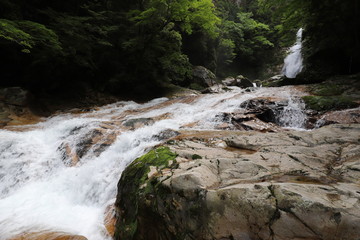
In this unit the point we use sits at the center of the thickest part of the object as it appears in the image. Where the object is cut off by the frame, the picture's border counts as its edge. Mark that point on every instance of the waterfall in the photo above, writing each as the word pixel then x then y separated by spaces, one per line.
pixel 293 62
pixel 293 115
pixel 40 191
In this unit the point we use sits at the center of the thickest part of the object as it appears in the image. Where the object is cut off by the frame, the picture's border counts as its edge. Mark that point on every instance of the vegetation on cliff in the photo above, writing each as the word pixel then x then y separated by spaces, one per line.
pixel 130 47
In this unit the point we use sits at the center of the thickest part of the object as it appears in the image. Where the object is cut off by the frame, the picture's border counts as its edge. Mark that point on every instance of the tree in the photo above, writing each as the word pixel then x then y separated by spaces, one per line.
pixel 152 41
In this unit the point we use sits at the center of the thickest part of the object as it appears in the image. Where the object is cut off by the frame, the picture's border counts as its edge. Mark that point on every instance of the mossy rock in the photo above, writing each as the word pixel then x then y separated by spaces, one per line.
pixel 328 89
pixel 135 185
pixel 327 103
pixel 196 86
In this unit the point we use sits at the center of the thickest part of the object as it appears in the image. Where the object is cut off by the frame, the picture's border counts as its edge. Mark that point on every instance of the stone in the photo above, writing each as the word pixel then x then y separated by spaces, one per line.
pixel 274 81
pixel 203 76
pixel 95 141
pixel 110 219
pixel 229 81
pixel 342 116
pixel 329 103
pixel 15 96
pixel 135 123
pixel 69 157
pixel 47 235
pixel 243 82
pixel 166 134
pixel 216 88
pixel 280 185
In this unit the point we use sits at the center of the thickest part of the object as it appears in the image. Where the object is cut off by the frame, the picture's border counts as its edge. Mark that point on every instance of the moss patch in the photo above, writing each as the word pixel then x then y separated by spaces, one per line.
pixel 328 89
pixel 135 184
pixel 326 103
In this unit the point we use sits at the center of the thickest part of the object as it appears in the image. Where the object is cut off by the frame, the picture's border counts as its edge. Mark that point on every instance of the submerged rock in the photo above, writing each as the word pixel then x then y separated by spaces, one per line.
pixel 245 185
pixel 138 122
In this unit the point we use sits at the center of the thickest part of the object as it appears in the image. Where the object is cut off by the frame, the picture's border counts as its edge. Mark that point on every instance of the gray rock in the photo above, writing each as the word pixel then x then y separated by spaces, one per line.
pixel 14 96
pixel 203 76
pixel 250 185
pixel 229 81
pixel 138 122
pixel 243 82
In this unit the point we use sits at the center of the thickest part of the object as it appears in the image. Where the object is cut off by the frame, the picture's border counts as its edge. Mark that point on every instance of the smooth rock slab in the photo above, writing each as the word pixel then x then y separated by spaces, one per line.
pixel 249 185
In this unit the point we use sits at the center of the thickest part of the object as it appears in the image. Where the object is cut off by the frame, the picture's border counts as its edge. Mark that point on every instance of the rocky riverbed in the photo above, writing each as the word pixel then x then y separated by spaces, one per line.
pixel 245 185
pixel 254 163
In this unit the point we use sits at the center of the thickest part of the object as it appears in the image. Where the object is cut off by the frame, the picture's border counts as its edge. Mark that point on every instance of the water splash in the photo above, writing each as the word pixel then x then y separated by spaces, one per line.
pixel 293 115
pixel 293 62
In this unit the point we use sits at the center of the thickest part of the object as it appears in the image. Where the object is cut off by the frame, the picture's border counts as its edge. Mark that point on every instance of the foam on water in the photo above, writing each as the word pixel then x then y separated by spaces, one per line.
pixel 39 192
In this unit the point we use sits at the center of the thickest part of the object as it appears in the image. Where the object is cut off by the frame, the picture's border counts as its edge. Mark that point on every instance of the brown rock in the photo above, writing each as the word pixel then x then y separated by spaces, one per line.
pixel 110 219
pixel 44 235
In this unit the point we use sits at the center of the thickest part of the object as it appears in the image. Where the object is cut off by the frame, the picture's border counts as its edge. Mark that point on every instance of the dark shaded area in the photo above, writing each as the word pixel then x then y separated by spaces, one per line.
pixel 67 50
pixel 332 39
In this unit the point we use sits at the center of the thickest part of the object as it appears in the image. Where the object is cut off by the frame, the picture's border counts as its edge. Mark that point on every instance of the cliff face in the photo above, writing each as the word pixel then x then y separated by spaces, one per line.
pixel 245 185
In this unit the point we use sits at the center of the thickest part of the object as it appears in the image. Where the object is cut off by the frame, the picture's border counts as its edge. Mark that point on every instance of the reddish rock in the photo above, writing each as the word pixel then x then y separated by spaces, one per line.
pixel 48 236
pixel 110 219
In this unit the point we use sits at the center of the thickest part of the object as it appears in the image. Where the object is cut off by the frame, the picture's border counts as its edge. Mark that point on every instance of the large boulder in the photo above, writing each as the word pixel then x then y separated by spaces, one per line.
pixel 203 76
pixel 245 185
pixel 14 96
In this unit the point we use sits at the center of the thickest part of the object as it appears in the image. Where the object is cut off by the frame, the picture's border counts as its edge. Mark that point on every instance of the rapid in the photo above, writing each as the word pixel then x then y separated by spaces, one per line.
pixel 41 190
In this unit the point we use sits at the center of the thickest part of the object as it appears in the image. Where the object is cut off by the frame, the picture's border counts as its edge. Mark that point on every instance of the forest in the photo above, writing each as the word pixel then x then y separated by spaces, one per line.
pixel 131 48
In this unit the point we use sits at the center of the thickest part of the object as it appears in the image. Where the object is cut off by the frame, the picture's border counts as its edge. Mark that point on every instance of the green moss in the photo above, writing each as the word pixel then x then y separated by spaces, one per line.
pixel 196 86
pixel 135 184
pixel 328 89
pixel 325 103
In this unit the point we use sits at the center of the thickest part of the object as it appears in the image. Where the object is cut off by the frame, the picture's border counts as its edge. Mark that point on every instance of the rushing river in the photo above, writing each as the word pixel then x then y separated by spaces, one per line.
pixel 40 191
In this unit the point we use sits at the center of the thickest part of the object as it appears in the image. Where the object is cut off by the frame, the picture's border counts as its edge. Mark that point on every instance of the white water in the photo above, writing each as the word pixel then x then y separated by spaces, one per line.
pixel 293 115
pixel 39 192
pixel 293 62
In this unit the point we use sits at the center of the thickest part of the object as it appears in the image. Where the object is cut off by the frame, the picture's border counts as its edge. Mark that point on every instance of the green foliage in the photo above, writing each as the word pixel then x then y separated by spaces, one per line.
pixel 10 31
pixel 243 38
pixel 153 38
pixel 131 46
pixel 28 35
pixel 286 17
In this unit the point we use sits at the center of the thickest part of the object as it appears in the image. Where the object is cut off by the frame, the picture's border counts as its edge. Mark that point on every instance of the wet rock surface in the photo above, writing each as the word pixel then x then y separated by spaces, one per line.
pixel 15 107
pixel 246 185
pixel 44 235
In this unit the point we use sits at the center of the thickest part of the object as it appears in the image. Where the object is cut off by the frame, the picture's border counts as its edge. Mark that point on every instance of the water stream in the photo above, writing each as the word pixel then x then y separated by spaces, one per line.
pixel 39 191
pixel 293 63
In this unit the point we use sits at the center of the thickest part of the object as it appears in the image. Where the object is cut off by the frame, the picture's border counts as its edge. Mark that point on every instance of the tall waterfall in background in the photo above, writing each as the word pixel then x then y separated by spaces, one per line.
pixel 293 62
